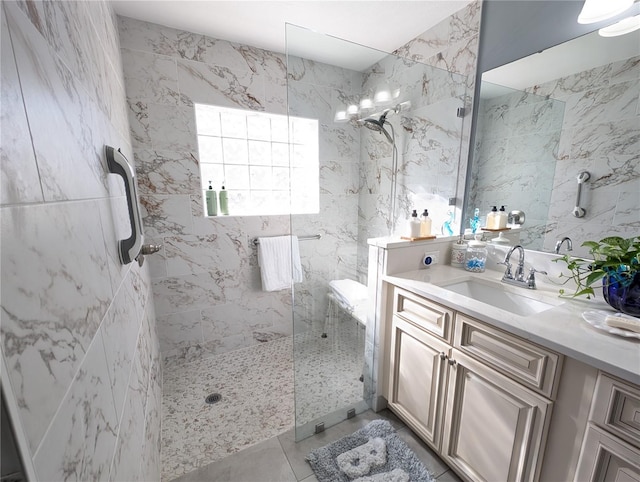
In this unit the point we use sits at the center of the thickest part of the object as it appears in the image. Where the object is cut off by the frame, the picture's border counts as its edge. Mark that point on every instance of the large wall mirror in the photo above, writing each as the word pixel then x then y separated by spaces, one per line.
pixel 544 119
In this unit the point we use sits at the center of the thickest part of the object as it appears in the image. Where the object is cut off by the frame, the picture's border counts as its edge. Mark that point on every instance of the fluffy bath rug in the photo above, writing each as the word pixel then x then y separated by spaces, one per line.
pixel 374 453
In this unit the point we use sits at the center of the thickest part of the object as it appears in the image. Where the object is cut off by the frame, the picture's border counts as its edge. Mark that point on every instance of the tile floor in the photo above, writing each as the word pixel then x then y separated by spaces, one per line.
pixel 256 385
pixel 281 459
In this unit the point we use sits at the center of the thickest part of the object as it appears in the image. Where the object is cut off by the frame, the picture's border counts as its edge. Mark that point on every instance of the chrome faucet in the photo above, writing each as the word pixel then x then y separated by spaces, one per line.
pixel 518 278
pixel 559 244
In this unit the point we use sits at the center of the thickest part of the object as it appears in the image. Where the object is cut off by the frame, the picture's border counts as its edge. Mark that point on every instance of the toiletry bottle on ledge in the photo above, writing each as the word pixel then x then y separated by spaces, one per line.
pixel 212 202
pixel 224 202
pixel 414 225
pixel 492 218
pixel 502 218
pixel 425 224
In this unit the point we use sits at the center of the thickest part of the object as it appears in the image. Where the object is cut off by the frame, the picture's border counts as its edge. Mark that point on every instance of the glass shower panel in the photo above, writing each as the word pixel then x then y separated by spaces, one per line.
pixel 388 141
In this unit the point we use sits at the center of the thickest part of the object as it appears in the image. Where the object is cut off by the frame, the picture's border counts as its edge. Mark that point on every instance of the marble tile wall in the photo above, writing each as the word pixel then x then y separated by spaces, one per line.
pixel 78 329
pixel 452 46
pixel 599 131
pixel 206 283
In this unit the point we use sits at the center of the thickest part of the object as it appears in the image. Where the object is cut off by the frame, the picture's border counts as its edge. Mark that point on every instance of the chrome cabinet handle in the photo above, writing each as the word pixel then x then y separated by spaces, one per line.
pixel 128 249
pixel 452 362
pixel 443 356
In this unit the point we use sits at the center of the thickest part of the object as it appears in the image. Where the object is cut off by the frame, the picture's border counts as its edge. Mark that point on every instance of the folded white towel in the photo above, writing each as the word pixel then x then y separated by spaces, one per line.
pixel 279 260
pixel 349 293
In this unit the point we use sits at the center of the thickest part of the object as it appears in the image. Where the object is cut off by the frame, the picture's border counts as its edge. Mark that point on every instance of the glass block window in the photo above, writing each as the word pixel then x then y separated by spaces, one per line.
pixel 268 163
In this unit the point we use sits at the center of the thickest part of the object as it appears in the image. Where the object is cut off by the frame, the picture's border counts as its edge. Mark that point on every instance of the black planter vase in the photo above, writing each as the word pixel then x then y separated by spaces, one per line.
pixel 622 295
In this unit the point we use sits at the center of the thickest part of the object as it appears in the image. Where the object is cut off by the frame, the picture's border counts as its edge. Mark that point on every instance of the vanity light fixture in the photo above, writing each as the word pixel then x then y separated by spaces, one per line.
pixel 382 95
pixel 341 115
pixel 624 26
pixel 598 10
pixel 366 104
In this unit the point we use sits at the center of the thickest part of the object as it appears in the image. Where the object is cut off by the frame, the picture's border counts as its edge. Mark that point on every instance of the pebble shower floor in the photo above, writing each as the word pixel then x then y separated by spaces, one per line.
pixel 256 388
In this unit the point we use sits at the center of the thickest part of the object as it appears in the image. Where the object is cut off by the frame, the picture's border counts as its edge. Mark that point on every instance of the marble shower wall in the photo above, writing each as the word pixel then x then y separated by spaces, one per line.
pixel 517 143
pixel 436 73
pixel 206 283
pixel 78 329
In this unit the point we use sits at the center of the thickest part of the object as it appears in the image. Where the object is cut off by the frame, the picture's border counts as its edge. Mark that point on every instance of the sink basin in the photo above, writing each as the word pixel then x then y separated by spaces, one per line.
pixel 502 297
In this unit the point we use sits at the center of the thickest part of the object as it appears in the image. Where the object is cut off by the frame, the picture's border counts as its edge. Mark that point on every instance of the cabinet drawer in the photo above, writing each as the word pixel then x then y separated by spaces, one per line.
pixel 607 459
pixel 616 407
pixel 426 314
pixel 530 364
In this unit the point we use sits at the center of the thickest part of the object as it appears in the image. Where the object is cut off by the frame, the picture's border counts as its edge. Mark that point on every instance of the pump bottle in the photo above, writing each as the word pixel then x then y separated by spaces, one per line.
pixel 492 218
pixel 212 203
pixel 224 202
pixel 414 225
pixel 502 218
pixel 425 224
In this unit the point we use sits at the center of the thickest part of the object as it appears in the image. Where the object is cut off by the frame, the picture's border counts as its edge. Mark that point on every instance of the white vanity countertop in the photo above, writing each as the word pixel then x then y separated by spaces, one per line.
pixel 560 328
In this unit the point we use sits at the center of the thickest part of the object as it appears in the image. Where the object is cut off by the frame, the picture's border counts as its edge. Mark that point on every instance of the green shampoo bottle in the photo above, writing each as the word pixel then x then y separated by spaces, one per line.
pixel 224 203
pixel 212 201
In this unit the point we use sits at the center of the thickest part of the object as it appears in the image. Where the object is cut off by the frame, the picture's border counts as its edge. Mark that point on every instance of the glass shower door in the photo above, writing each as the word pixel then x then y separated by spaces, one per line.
pixel 378 143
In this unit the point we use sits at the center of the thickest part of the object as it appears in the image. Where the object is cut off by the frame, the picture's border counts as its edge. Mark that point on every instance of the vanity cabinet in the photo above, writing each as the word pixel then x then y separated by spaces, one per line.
pixel 494 427
pixel 611 447
pixel 480 398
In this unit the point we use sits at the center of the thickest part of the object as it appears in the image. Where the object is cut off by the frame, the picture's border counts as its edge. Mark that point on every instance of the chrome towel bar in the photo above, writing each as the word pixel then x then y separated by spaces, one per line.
pixel 256 241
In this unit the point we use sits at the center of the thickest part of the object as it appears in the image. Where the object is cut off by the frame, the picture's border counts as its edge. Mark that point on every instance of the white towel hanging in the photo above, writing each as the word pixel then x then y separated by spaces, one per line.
pixel 279 260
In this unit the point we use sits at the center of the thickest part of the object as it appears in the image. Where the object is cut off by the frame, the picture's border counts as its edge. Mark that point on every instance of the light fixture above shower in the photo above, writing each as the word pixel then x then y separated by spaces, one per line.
pixel 366 106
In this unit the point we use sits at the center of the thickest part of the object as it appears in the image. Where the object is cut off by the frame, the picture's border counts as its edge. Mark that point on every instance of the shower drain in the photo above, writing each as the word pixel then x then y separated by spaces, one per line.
pixel 213 398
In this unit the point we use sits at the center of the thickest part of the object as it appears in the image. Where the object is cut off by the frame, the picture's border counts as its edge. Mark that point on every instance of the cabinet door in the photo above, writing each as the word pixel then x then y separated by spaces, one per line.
pixel 416 384
pixel 494 428
pixel 605 458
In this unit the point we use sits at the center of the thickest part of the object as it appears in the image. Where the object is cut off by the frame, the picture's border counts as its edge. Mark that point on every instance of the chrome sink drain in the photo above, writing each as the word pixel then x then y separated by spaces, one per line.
pixel 213 398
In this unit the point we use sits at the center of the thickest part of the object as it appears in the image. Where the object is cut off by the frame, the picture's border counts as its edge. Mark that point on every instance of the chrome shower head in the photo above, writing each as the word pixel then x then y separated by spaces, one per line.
pixel 378 126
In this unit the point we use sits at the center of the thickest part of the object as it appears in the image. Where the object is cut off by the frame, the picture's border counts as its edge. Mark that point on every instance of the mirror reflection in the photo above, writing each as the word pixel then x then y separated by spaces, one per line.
pixel 545 119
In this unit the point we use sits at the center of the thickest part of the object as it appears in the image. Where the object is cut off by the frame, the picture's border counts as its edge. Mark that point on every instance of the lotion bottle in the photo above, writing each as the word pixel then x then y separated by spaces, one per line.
pixel 212 202
pixel 224 202
pixel 425 224
pixel 414 225
pixel 502 218
pixel 492 218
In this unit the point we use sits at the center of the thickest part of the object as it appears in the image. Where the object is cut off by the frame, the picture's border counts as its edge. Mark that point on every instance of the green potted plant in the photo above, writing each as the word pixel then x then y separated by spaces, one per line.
pixel 616 264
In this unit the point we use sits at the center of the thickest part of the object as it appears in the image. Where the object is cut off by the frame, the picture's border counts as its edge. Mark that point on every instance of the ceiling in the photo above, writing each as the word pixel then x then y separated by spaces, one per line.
pixel 384 25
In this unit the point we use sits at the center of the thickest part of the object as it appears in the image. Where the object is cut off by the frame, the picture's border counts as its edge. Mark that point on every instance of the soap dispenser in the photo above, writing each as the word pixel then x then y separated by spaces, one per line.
pixel 425 224
pixel 212 202
pixel 492 218
pixel 502 218
pixel 414 225
pixel 224 202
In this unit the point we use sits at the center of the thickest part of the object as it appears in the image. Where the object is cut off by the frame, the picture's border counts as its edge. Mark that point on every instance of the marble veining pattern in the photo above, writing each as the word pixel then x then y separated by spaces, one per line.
pixel 18 183
pixel 71 312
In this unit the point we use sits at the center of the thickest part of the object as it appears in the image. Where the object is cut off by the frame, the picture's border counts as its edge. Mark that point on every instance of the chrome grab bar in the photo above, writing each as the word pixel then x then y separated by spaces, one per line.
pixel 583 176
pixel 128 249
pixel 256 241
